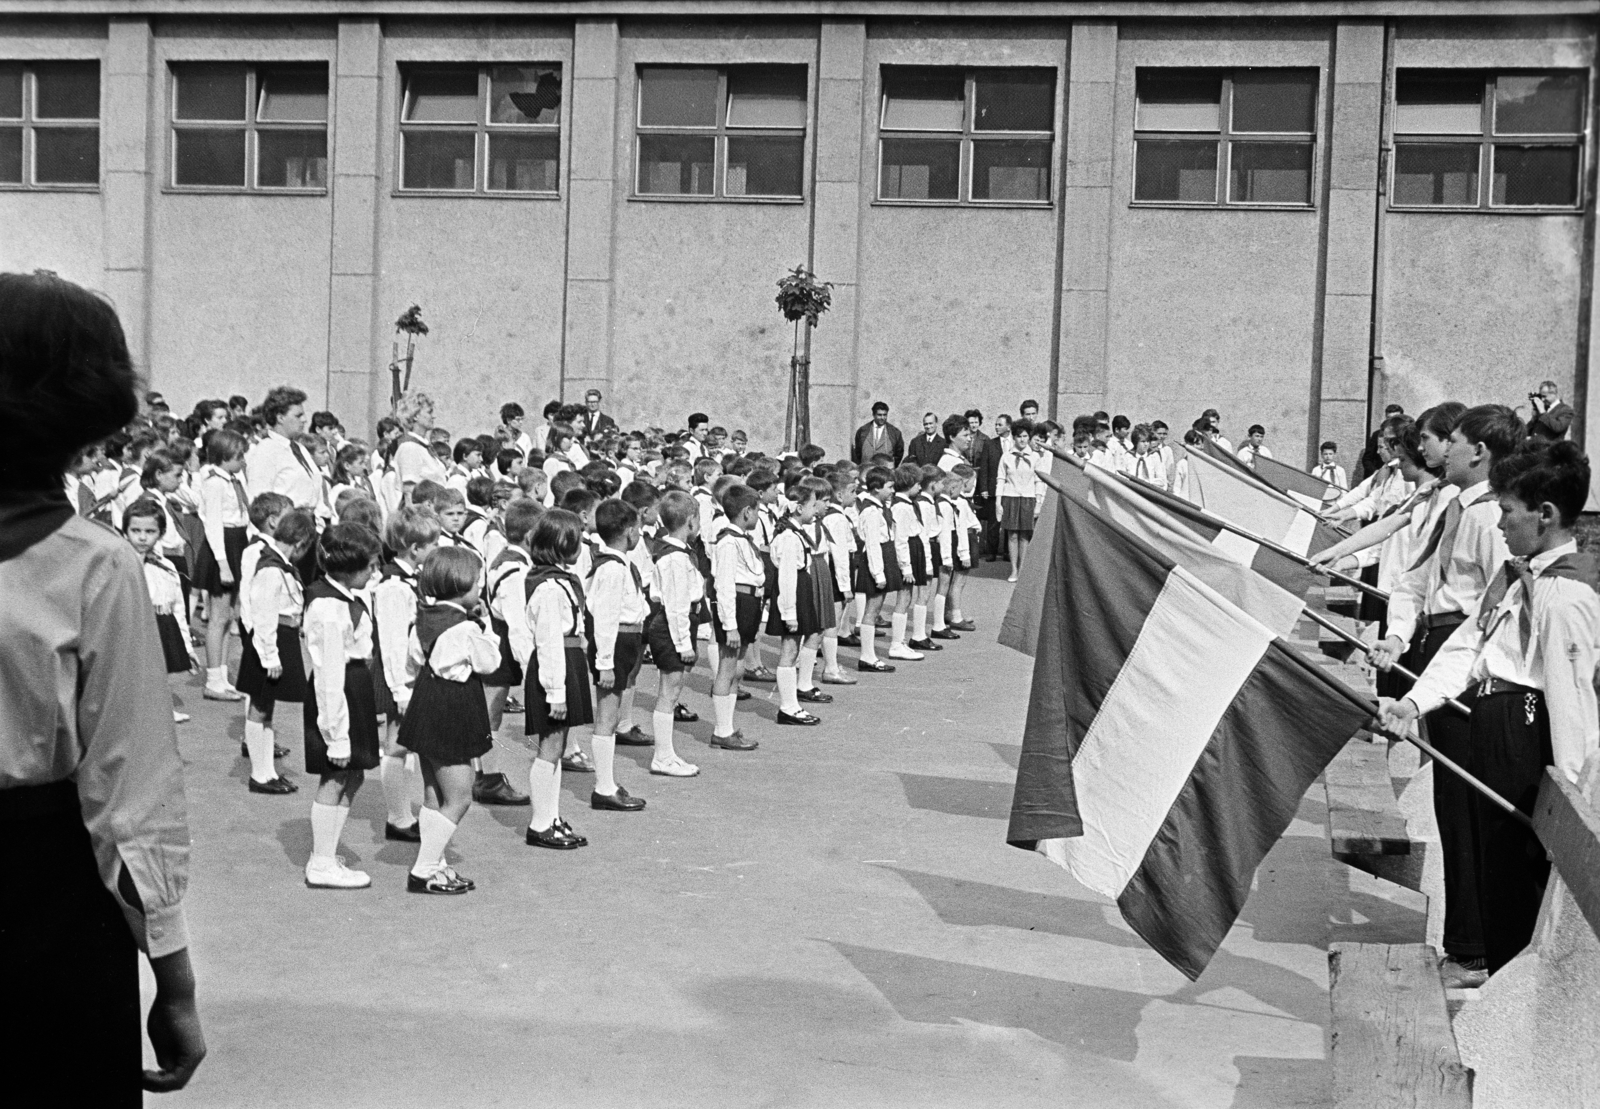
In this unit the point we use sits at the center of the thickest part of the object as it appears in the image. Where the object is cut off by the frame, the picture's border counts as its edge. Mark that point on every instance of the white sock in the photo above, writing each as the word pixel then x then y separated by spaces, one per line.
pixel 661 723
pixel 436 831
pixel 327 824
pixel 919 622
pixel 216 676
pixel 259 743
pixel 897 629
pixel 544 787
pixel 808 668
pixel 869 644
pixel 713 655
pixel 937 609
pixel 625 710
pixel 787 679
pixel 955 615
pixel 723 707
pixel 605 755
pixel 396 790
pixel 830 655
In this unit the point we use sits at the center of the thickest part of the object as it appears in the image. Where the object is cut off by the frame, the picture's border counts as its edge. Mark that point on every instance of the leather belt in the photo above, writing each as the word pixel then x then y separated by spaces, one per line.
pixel 749 590
pixel 1492 685
pixel 1442 619
pixel 636 627
pixel 575 641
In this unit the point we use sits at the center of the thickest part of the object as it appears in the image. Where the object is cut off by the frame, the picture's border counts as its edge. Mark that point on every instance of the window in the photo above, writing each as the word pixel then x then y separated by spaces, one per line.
pixel 1467 139
pixel 49 124
pixel 481 129
pixel 238 127
pixel 958 136
pixel 1225 138
pixel 737 133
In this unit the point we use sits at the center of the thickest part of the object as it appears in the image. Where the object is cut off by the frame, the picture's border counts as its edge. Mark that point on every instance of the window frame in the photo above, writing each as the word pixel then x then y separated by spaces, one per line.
pixel 251 125
pixel 30 122
pixel 969 136
pixel 481 130
pixel 1226 137
pixel 1485 139
pixel 720 133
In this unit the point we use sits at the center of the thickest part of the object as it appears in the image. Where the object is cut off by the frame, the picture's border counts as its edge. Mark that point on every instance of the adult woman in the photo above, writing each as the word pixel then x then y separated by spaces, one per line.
pixel 413 461
pixel 91 787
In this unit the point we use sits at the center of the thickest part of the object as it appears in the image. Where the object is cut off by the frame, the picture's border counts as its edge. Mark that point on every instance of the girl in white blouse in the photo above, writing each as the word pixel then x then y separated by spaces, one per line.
pixel 225 512
pixel 143 523
pixel 271 669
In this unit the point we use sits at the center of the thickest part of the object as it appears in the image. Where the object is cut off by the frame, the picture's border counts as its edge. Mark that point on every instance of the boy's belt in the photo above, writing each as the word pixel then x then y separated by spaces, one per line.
pixel 1491 685
pixel 637 626
pixel 1442 619
pixel 749 590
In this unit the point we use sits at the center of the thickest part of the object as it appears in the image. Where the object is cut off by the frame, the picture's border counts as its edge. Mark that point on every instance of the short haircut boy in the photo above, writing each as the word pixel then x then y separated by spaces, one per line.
pixel 640 494
pixel 1329 445
pixel 520 518
pixel 953 426
pixel 347 549
pixel 509 411
pixel 295 527
pixel 676 508
pixel 613 518
pixel 876 477
pixel 737 498
pixel 410 526
pixel 267 507
pixel 224 446
pixel 480 491
pixel 579 500
pixel 1494 426
pixel 1539 471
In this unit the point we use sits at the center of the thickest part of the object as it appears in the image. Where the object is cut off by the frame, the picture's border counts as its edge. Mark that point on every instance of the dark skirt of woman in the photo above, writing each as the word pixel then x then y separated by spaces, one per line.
pixel 509 672
pixel 209 574
pixel 580 698
pixel 824 590
pixel 68 952
pixel 447 722
pixel 919 560
pixel 1016 514
pixel 382 696
pixel 363 715
pixel 807 620
pixel 291 685
pixel 174 644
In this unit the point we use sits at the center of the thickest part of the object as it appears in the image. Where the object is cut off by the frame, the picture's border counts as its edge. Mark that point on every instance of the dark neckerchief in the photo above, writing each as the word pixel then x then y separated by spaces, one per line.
pixel 271 557
pixel 26 517
pixel 324 589
pixel 433 621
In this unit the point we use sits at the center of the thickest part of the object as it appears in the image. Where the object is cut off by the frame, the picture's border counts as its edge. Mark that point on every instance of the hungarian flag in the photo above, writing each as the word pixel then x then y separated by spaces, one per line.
pixel 1241 498
pixel 1308 489
pixel 1170 736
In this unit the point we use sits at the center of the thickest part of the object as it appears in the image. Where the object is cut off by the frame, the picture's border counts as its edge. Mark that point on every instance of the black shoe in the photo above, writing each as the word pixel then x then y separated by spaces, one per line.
pixel 278 751
pixel 496 789
pixel 802 718
pixel 411 833
pixel 513 705
pixel 877 667
pixel 734 742
pixel 620 801
pixel 561 822
pixel 684 716
pixel 923 645
pixel 943 633
pixel 552 837
pixel 851 640
pixel 443 881
pixel 634 737
pixel 963 626
pixel 742 695
pixel 280 784
pixel 814 696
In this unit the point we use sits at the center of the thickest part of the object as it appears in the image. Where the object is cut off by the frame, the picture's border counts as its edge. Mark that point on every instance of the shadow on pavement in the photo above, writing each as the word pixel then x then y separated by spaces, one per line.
pixel 957 796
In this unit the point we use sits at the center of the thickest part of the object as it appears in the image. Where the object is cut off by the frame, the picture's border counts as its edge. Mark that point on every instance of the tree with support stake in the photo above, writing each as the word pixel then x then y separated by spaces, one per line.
pixel 409 324
pixel 801 297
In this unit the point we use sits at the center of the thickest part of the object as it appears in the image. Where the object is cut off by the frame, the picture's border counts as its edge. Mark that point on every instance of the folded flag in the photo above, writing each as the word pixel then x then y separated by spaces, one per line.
pixel 1308 489
pixel 1170 736
pixel 1243 500
pixel 1019 627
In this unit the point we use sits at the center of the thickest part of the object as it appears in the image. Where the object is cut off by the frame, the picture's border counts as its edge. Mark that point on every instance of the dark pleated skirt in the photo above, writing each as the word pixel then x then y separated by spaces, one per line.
pixel 1016 514
pixel 291 685
pixel 174 643
pixel 509 672
pixel 446 721
pixel 209 573
pixel 893 582
pixel 808 619
pixel 580 696
pixel 824 590
pixel 383 702
pixel 358 697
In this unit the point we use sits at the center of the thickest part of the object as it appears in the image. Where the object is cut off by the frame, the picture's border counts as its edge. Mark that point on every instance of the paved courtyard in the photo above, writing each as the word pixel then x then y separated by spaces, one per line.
pixel 833 920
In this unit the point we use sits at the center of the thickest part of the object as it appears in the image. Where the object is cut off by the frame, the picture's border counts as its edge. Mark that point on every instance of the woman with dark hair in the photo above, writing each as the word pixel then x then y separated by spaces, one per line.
pixel 91 786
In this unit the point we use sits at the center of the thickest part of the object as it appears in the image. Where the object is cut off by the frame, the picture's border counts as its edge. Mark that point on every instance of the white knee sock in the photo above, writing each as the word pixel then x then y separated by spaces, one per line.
pixel 937 609
pixel 897 629
pixel 327 824
pixel 605 755
pixel 787 679
pixel 723 707
pixel 830 655
pixel 436 831
pixel 625 711
pixel 808 667
pixel 869 645
pixel 919 622
pixel 396 790
pixel 661 724
pixel 259 744
pixel 544 787
pixel 216 676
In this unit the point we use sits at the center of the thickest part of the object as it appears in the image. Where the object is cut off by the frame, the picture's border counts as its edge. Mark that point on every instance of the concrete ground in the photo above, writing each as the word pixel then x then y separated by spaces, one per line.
pixel 834 920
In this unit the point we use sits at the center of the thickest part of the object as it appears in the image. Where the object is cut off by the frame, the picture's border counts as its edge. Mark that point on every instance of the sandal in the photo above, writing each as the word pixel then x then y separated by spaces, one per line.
pixel 578 762
pixel 760 674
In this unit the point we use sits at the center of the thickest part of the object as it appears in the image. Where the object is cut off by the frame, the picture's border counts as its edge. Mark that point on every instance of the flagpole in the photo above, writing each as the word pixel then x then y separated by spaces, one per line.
pixel 1227 525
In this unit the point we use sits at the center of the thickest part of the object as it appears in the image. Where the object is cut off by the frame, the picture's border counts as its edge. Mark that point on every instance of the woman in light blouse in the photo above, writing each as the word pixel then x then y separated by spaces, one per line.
pixel 413 461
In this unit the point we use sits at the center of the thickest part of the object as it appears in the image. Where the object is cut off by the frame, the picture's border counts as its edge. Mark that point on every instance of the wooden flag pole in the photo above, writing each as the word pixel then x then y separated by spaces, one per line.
pixel 1366 648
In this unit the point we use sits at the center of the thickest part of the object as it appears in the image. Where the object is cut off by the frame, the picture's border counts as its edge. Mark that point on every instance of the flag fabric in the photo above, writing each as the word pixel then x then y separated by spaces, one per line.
pixel 1019 627
pixel 1308 489
pixel 1170 736
pixel 1245 501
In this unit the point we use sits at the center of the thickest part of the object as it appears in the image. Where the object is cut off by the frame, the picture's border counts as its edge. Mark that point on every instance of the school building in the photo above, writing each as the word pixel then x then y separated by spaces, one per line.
pixel 1294 211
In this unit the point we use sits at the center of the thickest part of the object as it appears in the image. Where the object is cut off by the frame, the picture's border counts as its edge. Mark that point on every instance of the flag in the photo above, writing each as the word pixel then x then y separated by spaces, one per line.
pixel 1245 501
pixel 1308 489
pixel 1019 627
pixel 1170 736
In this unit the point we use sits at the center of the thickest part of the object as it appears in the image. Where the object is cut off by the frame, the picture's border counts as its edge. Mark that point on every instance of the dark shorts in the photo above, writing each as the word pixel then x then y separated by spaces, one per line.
pixel 920 564
pixel 627 656
pixel 747 615
pixel 658 637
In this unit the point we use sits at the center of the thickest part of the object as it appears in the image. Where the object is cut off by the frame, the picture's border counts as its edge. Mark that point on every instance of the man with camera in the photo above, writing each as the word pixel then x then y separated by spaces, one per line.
pixel 1550 416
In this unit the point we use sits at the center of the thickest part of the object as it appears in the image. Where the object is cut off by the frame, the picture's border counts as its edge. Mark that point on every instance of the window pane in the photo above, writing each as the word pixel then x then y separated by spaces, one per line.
pixel 10 155
pixel 1179 100
pixel 1436 173
pixel 676 165
pixel 923 100
pixel 10 91
pixel 442 96
pixel 1011 169
pixel 920 169
pixel 210 92
pixel 292 159
pixel 677 97
pixel 1275 100
pixel 1536 175
pixel 524 163
pixel 766 166
pixel 66 155
pixel 208 158
pixel 1438 102
pixel 1270 172
pixel 1538 104
pixel 1015 100
pixel 297 93
pixel 772 96
pixel 67 90
pixel 438 160
pixel 524 94
pixel 1175 169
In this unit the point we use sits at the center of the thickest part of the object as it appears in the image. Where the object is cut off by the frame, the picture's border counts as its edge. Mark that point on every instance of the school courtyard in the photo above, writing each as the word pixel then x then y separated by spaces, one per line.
pixel 833 920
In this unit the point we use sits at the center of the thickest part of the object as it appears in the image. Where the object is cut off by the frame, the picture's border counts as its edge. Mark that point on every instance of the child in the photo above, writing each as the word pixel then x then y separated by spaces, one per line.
pixel 466 461
pixel 803 606
pixel 878 573
pixel 911 553
pixel 447 720
pixel 341 720
pixel 161 479
pixel 926 502
pixel 1328 469
pixel 271 608
pixel 618 605
pixel 352 470
pixel 705 472
pixel 534 486
pixel 1144 463
pixel 1529 648
pixel 506 599
pixel 225 511
pixel 739 578
pixel 1018 486
pixel 451 507
pixel 944 508
pixel 143 523
pixel 677 605
pixel 556 692
pixel 483 529
pixel 765 483
pixel 556 454
pixel 968 531
pixel 839 541
pixel 412 533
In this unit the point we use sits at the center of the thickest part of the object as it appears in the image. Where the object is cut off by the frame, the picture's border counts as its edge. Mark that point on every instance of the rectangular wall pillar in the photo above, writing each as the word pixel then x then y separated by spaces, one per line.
pixel 126 113
pixel 357 383
pixel 591 224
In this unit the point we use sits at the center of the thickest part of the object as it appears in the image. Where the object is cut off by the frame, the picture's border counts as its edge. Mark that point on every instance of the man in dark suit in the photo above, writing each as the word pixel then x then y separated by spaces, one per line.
pixel 926 449
pixel 1552 416
pixel 878 436
pixel 985 499
pixel 594 422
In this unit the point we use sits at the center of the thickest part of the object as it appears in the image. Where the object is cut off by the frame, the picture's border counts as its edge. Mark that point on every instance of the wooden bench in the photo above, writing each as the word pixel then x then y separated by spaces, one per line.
pixel 1365 827
pixel 1392 1044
